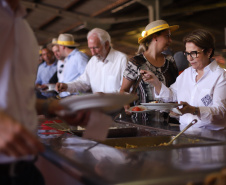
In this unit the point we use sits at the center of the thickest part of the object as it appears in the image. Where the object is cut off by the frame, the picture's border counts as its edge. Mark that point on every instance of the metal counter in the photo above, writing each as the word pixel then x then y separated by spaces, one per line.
pixel 95 163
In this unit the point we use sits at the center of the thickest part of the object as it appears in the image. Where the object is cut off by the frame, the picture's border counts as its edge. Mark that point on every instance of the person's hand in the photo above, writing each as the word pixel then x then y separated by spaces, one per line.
pixel 186 108
pixel 126 107
pixel 41 87
pixel 80 117
pixel 61 87
pixel 16 140
pixel 150 77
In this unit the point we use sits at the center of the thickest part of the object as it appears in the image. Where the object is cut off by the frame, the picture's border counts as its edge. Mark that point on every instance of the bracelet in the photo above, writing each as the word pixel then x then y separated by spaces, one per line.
pixel 196 111
pixel 45 108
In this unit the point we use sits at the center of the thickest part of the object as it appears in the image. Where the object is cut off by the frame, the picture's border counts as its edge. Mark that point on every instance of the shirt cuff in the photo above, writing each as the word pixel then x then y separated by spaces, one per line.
pixel 204 114
pixel 162 92
pixel 71 88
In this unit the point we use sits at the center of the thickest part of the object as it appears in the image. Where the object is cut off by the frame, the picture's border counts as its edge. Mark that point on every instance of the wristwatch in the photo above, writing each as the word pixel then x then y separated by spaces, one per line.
pixel 196 111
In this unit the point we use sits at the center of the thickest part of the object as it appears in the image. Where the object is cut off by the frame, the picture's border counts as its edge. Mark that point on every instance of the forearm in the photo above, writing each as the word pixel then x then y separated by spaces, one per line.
pixel 213 114
pixel 47 107
pixel 78 86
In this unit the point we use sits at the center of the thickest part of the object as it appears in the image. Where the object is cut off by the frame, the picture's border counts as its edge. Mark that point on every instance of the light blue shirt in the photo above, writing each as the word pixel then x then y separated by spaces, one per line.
pixel 45 72
pixel 75 64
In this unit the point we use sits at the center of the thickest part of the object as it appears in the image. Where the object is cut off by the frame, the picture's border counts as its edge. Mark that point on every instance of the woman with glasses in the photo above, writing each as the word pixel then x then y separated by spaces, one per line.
pixel 153 42
pixel 201 88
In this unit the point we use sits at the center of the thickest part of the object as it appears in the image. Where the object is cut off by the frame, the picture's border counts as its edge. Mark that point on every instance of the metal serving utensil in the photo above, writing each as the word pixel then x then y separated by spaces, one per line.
pixel 188 126
pixel 63 128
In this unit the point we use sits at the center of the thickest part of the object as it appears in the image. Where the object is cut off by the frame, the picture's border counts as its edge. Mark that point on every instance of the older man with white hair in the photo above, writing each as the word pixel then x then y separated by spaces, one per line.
pixel 104 71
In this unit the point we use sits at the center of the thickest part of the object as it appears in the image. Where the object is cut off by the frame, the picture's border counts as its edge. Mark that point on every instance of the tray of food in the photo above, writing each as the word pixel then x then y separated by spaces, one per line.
pixel 116 130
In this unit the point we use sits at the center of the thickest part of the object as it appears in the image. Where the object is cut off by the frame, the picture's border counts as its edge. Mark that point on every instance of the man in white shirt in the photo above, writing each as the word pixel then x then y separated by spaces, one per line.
pixel 104 71
pixel 18 116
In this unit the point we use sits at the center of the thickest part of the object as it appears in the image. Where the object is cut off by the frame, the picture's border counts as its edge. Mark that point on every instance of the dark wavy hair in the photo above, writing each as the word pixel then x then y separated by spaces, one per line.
pixel 201 38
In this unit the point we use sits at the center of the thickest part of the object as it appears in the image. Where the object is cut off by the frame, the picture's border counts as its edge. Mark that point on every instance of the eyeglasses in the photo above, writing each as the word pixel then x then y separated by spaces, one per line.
pixel 193 54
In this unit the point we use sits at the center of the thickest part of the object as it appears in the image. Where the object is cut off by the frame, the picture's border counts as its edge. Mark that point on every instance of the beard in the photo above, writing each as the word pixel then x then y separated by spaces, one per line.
pixel 102 56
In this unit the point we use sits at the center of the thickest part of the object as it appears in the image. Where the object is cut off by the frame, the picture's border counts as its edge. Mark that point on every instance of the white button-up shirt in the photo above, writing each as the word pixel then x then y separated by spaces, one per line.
pixel 209 94
pixel 102 76
pixel 18 68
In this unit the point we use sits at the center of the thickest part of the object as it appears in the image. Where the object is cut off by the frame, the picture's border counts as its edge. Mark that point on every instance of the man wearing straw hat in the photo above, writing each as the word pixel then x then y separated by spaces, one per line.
pixel 60 63
pixel 75 61
pixel 104 72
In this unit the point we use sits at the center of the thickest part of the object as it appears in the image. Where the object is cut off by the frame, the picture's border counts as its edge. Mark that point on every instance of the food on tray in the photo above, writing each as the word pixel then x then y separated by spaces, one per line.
pixel 137 109
pixel 131 146
pixel 127 146
pixel 156 101
pixel 80 128
pixel 163 144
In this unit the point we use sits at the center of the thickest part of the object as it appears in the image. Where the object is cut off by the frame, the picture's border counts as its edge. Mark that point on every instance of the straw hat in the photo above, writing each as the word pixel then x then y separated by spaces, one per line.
pixel 154 27
pixel 50 45
pixel 66 40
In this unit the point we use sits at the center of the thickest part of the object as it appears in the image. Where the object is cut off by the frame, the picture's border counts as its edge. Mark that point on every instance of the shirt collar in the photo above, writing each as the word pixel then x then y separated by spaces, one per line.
pixel 211 67
pixel 110 56
pixel 54 64
pixel 71 54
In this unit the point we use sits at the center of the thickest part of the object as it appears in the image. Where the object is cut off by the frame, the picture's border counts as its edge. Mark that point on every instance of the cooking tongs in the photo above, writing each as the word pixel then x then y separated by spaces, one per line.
pixel 188 126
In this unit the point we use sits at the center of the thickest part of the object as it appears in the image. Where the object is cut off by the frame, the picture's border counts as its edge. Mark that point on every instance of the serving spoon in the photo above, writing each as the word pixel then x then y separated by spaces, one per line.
pixel 188 126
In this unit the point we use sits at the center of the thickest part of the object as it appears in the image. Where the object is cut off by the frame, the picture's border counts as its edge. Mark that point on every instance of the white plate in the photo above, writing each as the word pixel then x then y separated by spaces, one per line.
pixel 160 106
pixel 108 102
pixel 140 106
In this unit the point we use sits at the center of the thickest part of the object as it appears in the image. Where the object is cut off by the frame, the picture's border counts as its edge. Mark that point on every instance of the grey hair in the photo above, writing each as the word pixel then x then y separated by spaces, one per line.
pixel 101 34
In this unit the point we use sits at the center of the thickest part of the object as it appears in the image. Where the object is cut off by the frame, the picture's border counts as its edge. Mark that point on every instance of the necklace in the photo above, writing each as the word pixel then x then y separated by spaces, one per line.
pixel 156 68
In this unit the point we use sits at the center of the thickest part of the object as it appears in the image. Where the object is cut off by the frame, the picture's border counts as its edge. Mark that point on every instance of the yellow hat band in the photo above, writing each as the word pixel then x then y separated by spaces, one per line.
pixel 68 43
pixel 155 29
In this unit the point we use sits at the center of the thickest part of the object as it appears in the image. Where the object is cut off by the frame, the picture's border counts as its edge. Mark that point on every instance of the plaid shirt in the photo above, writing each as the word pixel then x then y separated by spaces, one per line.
pixel 166 74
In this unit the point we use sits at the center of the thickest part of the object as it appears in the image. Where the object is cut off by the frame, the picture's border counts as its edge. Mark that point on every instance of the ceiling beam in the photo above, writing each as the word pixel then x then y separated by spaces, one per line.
pixel 52 18
pixel 189 9
pixel 109 7
pixel 68 14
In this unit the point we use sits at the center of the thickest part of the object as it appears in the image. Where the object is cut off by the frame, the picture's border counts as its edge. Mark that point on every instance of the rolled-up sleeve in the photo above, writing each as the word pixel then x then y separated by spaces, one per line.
pixel 167 94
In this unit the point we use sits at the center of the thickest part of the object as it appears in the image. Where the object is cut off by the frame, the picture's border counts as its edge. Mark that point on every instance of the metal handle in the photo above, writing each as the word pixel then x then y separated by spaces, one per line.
pixel 188 126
